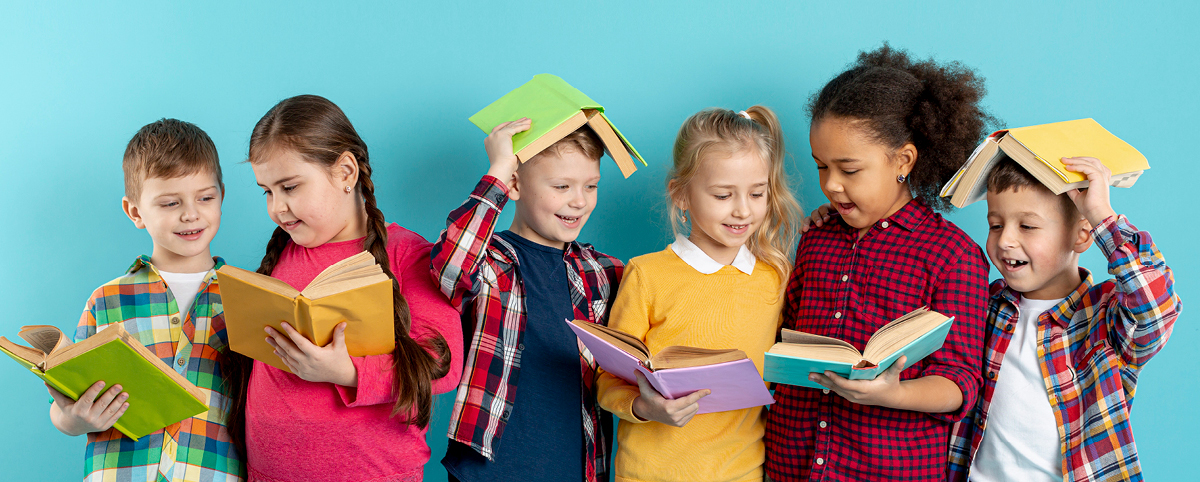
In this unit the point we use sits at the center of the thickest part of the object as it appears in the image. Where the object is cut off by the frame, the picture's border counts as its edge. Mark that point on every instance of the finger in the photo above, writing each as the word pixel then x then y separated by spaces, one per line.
pixel 105 400
pixel 116 415
pixel 287 340
pixel 89 396
pixel 644 387
pixel 500 126
pixel 820 379
pixel 1074 194
pixel 115 406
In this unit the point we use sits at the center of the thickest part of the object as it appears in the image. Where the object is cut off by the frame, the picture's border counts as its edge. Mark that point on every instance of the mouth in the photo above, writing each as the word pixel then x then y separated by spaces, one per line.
pixel 290 225
pixel 844 208
pixel 569 221
pixel 190 235
pixel 1012 264
pixel 737 228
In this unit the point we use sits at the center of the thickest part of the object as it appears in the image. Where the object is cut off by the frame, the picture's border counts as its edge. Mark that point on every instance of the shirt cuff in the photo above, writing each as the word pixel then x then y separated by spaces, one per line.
pixel 491 191
pixel 619 400
pixel 1111 233
pixel 967 384
pixel 374 382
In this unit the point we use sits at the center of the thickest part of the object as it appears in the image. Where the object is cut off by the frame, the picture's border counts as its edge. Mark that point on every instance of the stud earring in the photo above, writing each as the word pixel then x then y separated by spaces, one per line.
pixel 901 178
pixel 348 189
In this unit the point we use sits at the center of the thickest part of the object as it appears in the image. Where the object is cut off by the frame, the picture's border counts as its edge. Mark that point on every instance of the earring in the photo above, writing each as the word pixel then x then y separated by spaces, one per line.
pixel 684 211
pixel 348 189
pixel 901 178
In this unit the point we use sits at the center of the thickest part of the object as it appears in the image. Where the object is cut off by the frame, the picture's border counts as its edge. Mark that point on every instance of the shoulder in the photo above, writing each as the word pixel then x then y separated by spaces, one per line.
pixel 948 241
pixel 655 261
pixel 404 244
pixel 604 260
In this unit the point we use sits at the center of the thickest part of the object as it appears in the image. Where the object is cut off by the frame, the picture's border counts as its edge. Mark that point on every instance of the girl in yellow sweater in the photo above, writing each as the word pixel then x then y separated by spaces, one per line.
pixel 718 286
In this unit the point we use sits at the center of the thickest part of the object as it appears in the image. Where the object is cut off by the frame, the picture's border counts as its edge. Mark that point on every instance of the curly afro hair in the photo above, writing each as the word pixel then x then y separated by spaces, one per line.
pixel 899 100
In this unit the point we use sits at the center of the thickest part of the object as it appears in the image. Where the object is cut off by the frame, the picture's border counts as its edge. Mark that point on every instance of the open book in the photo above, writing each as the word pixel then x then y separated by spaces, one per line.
pixel 1040 149
pixel 158 395
pixel 354 290
pixel 556 109
pixel 915 335
pixel 677 371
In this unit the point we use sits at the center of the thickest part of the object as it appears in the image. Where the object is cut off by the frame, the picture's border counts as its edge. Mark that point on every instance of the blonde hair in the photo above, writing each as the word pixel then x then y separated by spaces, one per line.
pixel 725 132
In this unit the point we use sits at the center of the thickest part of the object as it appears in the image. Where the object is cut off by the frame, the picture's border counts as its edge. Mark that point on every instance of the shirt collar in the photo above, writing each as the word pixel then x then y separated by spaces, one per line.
pixel 1064 311
pixel 143 261
pixel 702 262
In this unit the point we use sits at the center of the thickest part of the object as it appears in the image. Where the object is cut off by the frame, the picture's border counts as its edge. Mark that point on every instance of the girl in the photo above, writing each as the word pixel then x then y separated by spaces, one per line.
pixel 338 418
pixel 720 286
pixel 886 135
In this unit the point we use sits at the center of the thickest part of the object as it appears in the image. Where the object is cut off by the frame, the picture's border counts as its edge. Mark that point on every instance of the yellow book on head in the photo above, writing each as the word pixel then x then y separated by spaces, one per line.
pixel 354 290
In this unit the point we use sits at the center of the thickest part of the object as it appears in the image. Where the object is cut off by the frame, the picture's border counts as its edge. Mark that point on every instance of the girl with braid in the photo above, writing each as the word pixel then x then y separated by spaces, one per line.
pixel 337 417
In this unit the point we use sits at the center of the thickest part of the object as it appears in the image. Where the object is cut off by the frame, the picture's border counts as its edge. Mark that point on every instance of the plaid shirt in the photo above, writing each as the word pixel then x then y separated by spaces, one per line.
pixel 479 273
pixel 197 448
pixel 1094 344
pixel 847 288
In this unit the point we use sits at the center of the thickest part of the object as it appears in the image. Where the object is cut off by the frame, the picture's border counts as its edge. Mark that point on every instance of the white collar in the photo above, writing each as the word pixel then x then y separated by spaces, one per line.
pixel 702 262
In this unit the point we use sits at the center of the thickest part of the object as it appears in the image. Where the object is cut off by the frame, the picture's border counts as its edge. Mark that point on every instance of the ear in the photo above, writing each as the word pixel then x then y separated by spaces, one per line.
pixel 514 186
pixel 1083 236
pixel 345 170
pixel 678 200
pixel 132 211
pixel 905 158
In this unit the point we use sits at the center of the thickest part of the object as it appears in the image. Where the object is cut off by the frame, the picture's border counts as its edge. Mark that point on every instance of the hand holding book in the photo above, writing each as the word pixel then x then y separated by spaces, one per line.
pixel 1093 203
pixel 650 405
pixel 499 147
pixel 93 412
pixel 330 363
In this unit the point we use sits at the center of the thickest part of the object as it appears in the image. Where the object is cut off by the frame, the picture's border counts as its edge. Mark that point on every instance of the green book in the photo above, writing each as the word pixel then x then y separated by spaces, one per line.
pixel 556 109
pixel 916 335
pixel 158 396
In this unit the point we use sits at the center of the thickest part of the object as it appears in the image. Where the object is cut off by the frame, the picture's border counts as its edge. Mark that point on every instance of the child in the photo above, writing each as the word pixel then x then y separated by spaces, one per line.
pixel 1063 354
pixel 885 135
pixel 515 289
pixel 337 417
pixel 171 302
pixel 719 287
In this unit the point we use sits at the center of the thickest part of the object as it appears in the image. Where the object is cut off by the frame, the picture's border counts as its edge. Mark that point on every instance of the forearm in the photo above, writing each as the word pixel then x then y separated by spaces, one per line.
pixel 462 246
pixel 930 394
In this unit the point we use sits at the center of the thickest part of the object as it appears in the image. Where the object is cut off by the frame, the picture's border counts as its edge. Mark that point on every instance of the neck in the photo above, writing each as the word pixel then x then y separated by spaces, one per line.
pixel 164 260
pixel 355 228
pixel 1058 287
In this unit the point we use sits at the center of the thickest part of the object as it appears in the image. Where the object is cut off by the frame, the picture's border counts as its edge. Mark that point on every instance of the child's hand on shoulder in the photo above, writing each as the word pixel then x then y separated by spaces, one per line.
pixel 818 217
pixel 1093 202
pixel 330 363
pixel 649 405
pixel 89 413
pixel 884 390
pixel 499 148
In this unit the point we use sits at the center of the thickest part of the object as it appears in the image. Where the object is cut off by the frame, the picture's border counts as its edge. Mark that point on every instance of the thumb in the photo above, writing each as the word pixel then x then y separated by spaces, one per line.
pixel 1073 194
pixel 696 396
pixel 644 386
pixel 896 368
pixel 339 337
pixel 59 398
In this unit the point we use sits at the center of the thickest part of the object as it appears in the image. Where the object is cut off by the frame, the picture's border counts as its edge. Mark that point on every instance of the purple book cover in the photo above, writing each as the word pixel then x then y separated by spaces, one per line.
pixel 735 385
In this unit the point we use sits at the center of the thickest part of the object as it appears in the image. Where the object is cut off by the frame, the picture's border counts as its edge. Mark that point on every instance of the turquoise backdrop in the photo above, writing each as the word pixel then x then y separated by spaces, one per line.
pixel 82 78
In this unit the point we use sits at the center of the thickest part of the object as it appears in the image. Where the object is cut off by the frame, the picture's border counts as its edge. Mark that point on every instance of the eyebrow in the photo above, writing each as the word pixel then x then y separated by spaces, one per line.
pixel 176 194
pixel 280 181
pixel 731 186
pixel 840 161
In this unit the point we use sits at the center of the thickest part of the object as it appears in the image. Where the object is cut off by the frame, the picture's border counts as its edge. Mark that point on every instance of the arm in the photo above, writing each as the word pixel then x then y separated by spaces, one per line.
pixel 462 246
pixel 94 411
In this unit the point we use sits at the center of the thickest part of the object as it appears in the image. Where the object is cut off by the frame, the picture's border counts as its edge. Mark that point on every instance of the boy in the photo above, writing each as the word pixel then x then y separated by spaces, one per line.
pixel 170 301
pixel 515 289
pixel 1060 348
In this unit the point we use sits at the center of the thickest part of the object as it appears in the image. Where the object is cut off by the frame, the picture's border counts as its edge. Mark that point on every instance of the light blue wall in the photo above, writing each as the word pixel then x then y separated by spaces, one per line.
pixel 81 79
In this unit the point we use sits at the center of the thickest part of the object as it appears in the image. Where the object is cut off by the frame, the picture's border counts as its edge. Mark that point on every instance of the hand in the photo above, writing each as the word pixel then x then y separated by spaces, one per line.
pixel 884 390
pixel 499 148
pixel 819 216
pixel 88 414
pixel 650 405
pixel 1093 203
pixel 330 363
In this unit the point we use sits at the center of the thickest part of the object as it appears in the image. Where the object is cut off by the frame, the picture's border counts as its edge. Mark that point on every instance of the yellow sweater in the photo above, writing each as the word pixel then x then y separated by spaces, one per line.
pixel 664 302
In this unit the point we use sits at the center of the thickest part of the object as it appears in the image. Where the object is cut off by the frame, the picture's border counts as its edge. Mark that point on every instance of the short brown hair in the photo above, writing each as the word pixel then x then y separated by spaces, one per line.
pixel 168 148
pixel 584 140
pixel 1009 175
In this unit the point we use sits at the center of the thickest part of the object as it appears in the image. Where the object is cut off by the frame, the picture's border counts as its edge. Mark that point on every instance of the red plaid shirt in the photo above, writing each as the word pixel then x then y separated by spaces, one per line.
pixel 847 288
pixel 479 273
pixel 1096 342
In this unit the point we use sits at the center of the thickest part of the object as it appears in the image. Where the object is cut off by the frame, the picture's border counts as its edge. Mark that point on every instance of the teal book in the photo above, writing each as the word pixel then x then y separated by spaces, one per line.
pixel 556 109
pixel 916 335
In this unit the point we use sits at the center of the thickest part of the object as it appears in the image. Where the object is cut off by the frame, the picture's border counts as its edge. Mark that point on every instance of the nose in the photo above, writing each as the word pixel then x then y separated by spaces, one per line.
pixel 275 205
pixel 1008 237
pixel 189 213
pixel 831 185
pixel 741 207
pixel 578 199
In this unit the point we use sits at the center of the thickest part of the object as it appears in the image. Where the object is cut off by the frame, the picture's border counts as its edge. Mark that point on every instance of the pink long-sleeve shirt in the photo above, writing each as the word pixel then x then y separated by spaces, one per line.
pixel 304 431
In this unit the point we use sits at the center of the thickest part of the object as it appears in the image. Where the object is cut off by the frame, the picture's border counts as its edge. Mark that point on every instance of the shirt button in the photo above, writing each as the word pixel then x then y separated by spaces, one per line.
pixel 823 424
pixel 845 277
pixel 1009 327
pixel 838 315
pixel 521 346
pixel 825 391
pixel 820 461
pixel 884 224
pixel 174 320
pixel 992 375
pixel 181 362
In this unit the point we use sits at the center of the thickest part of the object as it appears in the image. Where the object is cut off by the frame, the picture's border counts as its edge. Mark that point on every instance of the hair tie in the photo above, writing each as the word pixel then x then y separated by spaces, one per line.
pixel 745 114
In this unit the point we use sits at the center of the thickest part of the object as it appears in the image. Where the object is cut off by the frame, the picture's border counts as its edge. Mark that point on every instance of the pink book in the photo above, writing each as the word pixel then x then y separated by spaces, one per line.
pixel 677 371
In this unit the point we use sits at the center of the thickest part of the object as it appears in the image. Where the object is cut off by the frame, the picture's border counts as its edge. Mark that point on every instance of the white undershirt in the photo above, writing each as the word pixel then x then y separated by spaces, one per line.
pixel 1021 441
pixel 184 286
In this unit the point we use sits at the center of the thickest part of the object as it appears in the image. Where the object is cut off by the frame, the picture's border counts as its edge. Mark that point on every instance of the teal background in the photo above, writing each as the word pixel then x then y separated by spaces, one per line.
pixel 80 79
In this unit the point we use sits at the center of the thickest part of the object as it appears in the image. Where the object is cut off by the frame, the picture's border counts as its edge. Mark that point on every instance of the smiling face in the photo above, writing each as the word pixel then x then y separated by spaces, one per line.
pixel 1032 244
pixel 726 201
pixel 182 215
pixel 859 174
pixel 555 194
pixel 310 201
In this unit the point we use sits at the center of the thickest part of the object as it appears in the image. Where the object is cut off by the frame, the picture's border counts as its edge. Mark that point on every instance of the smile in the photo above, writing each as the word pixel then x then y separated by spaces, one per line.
pixel 737 228
pixel 290 225
pixel 190 235
pixel 569 221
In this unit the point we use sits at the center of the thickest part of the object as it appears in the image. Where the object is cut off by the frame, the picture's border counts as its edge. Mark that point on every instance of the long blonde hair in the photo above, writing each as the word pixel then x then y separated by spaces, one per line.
pixel 724 131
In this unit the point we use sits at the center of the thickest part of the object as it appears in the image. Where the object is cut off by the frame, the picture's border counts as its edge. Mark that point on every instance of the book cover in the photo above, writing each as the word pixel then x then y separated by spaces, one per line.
pixel 1079 138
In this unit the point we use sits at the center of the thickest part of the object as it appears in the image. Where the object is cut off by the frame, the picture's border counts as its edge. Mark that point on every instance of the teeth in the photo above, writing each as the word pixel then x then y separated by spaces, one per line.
pixel 189 233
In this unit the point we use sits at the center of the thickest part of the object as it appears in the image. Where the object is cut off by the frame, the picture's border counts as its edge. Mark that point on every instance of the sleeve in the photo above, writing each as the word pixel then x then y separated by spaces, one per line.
pixel 630 314
pixel 87 321
pixel 961 292
pixel 462 246
pixel 1142 313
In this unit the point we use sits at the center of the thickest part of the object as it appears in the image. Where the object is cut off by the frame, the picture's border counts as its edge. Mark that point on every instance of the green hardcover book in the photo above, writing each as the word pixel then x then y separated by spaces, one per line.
pixel 556 109
pixel 916 335
pixel 158 396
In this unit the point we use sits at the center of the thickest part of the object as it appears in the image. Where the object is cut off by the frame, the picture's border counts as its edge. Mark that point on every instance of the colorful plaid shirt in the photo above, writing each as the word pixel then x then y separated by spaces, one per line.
pixel 479 273
pixel 195 449
pixel 848 288
pixel 1092 346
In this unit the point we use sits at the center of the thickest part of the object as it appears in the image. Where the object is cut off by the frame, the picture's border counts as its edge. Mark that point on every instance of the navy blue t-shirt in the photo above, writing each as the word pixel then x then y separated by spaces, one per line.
pixel 543 438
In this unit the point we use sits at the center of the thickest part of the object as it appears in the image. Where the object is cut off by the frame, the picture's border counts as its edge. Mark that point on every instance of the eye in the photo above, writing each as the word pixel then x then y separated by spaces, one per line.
pixel 722 196
pixel 289 188
pixel 822 167
pixel 994 227
pixel 592 187
pixel 1028 227
pixel 169 204
pixel 758 194
pixel 266 192
pixel 207 198
pixel 850 172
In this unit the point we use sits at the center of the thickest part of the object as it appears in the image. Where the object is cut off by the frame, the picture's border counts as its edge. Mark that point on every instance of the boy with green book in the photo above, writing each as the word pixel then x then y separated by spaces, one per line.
pixel 171 303
pixel 526 406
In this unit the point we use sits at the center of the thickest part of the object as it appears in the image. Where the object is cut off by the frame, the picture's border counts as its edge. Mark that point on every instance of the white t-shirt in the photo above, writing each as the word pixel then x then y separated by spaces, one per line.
pixel 185 287
pixel 1021 441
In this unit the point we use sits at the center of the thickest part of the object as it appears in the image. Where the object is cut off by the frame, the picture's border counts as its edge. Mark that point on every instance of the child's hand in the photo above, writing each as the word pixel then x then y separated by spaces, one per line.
pixel 884 390
pixel 499 148
pixel 330 363
pixel 1092 203
pixel 819 216
pixel 650 405
pixel 88 414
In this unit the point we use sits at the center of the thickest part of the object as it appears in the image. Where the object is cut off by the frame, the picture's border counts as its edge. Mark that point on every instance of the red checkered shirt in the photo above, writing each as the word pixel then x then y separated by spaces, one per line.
pixel 847 288
pixel 478 272
pixel 1092 347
